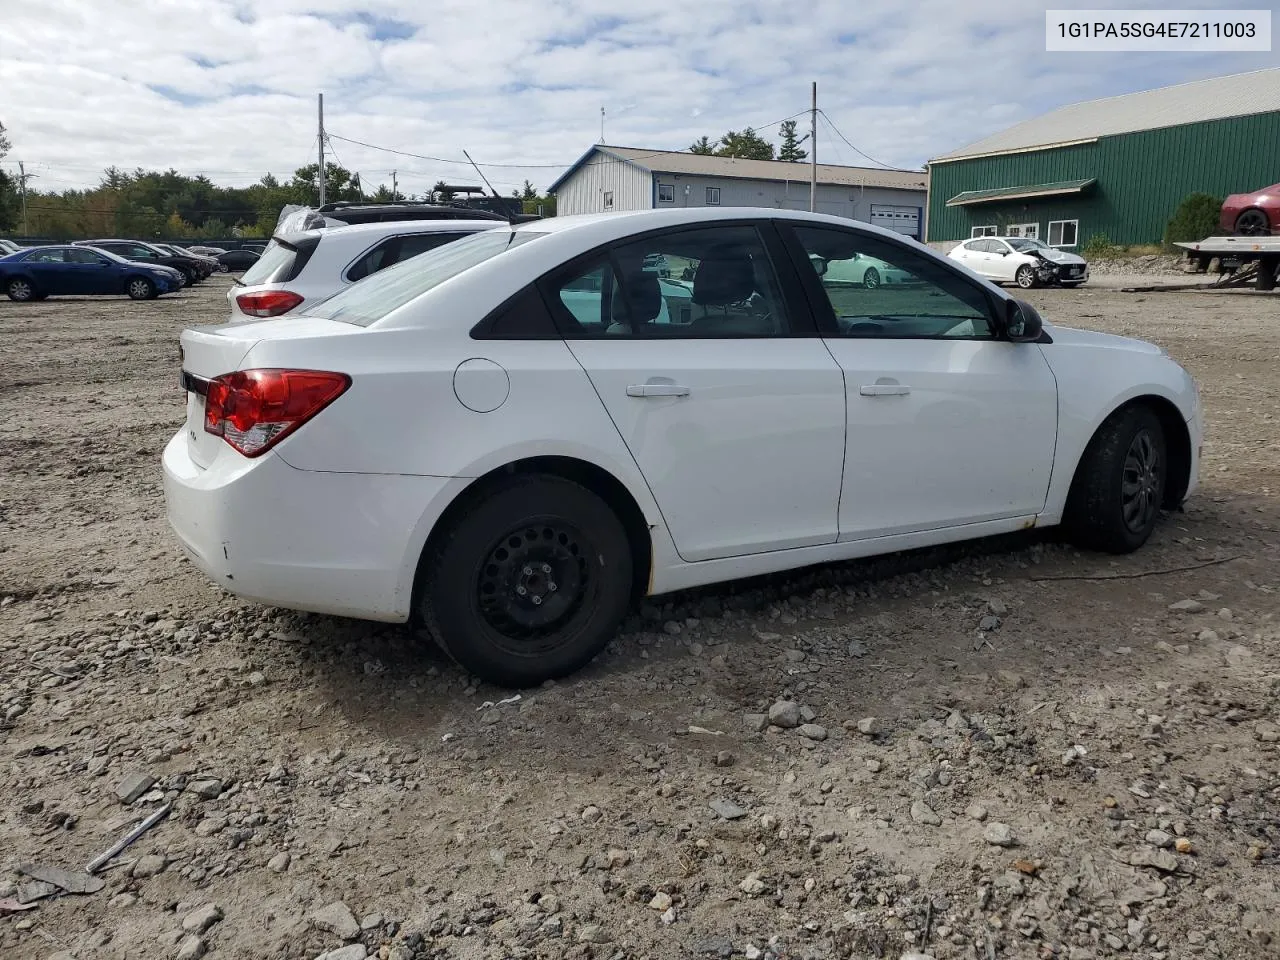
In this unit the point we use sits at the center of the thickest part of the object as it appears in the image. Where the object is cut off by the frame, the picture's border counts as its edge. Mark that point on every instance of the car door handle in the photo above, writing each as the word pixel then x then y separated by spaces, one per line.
pixel 884 390
pixel 657 390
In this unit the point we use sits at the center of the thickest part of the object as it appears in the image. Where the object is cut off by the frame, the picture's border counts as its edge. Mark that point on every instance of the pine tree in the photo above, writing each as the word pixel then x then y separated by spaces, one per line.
pixel 790 149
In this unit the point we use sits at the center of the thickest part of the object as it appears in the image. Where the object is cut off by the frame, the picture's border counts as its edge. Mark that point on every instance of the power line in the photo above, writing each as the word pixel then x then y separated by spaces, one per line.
pixel 852 147
pixel 530 166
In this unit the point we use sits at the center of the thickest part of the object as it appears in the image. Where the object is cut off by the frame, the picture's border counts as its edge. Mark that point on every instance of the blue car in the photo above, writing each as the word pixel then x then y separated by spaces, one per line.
pixel 39 272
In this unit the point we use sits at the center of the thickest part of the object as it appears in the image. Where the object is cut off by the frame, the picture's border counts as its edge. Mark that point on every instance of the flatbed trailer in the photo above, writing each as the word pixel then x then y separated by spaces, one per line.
pixel 1235 253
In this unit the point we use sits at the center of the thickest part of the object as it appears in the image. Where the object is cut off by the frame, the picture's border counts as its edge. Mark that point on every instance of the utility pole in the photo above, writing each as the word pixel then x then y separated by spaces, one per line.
pixel 320 173
pixel 22 182
pixel 602 124
pixel 813 151
pixel 395 195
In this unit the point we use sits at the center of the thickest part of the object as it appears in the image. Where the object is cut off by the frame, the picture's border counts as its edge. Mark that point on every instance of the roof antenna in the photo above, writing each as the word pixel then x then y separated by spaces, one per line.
pixel 502 203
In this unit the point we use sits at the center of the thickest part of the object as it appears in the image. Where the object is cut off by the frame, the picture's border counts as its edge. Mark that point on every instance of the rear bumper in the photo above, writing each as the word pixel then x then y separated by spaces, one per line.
pixel 345 544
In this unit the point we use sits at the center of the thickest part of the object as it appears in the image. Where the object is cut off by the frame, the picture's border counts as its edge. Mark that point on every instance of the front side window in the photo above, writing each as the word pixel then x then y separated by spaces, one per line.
pixel 1062 233
pixel 84 256
pixel 714 282
pixel 988 231
pixel 142 253
pixel 666 193
pixel 713 196
pixel 882 290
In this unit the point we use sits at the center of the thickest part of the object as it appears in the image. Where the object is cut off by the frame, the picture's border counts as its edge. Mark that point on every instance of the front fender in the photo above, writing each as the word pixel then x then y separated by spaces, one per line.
pixel 1096 379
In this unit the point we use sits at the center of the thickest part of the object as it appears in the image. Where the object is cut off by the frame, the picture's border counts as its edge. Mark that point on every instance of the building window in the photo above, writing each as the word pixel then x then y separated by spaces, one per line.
pixel 983 231
pixel 1031 230
pixel 608 199
pixel 666 193
pixel 1063 233
pixel 713 196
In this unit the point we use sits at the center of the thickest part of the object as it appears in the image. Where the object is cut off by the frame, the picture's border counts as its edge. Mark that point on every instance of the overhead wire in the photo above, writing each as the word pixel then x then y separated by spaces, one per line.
pixel 865 156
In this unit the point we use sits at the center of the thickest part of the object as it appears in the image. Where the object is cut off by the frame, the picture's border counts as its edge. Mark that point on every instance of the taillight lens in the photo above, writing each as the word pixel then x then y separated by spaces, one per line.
pixel 253 410
pixel 267 303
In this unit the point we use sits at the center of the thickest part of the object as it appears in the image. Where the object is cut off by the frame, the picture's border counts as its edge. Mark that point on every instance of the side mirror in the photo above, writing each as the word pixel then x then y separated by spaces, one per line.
pixel 1022 322
pixel 819 264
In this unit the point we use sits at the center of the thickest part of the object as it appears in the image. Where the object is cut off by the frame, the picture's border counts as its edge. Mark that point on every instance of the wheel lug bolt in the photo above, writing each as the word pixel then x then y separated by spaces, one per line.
pixel 552 587
pixel 537 601
pixel 546 568
pixel 521 591
pixel 528 571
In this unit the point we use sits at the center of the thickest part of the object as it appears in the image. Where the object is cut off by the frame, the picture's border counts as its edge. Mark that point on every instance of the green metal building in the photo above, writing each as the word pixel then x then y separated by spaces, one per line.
pixel 1118 166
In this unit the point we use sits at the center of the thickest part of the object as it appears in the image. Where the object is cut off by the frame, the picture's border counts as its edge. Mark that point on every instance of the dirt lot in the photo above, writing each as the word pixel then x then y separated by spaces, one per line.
pixel 1016 749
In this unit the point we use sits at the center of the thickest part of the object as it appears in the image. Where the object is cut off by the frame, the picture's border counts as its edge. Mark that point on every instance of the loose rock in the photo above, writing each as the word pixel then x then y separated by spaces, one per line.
pixel 785 714
pixel 756 722
pixel 921 812
pixel 726 808
pixel 202 918
pixel 813 731
pixel 336 918
pixel 148 866
pixel 191 948
pixel 998 835
pixel 207 789
pixel 133 786
pixel 1187 606
pixel 869 727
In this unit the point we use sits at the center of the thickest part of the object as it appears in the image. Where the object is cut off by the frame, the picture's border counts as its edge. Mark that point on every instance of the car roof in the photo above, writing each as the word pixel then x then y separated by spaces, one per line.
pixel 388 227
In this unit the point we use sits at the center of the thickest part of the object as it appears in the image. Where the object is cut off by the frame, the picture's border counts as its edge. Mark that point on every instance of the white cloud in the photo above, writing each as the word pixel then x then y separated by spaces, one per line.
pixel 227 87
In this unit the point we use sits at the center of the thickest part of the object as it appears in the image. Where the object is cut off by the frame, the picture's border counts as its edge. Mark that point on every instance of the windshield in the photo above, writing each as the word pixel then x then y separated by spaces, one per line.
pixel 1024 244
pixel 376 296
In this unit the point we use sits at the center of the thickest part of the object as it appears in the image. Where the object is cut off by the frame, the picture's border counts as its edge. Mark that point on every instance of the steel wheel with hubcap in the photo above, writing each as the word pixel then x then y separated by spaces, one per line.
pixel 1253 223
pixel 871 279
pixel 529 582
pixel 1026 276
pixel 20 289
pixel 1119 485
pixel 140 288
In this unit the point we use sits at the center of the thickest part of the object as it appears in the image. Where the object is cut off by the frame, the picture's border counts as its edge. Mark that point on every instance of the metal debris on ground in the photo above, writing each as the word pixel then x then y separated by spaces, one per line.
pixel 107 855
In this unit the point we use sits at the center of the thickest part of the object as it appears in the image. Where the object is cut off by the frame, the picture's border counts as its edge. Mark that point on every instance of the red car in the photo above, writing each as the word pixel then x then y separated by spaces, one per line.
pixel 1252 214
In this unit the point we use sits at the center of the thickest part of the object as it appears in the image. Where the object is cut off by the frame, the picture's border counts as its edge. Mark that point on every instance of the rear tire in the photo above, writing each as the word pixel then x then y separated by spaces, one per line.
pixel 140 288
pixel 1025 277
pixel 20 289
pixel 1119 485
pixel 528 584
pixel 871 279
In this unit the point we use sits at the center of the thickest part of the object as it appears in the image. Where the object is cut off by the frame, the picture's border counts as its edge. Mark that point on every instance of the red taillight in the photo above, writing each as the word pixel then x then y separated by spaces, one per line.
pixel 267 303
pixel 253 410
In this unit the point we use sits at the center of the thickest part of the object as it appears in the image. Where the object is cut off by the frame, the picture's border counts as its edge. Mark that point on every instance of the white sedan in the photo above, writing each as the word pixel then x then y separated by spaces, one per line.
pixel 461 440
pixel 1026 261
pixel 858 271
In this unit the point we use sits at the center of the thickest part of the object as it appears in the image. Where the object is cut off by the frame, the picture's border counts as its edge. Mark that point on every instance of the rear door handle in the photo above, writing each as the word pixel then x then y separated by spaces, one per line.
pixel 884 390
pixel 657 390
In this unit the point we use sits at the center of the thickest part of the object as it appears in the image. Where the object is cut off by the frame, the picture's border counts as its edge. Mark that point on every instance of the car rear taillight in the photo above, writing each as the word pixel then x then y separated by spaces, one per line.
pixel 253 410
pixel 267 303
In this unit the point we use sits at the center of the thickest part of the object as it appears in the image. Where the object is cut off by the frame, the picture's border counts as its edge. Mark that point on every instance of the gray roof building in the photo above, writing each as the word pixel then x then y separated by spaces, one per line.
pixel 608 178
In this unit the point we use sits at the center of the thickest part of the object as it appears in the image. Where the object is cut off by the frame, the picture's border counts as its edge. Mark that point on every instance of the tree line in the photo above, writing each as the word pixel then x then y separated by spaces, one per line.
pixel 749 145
pixel 170 205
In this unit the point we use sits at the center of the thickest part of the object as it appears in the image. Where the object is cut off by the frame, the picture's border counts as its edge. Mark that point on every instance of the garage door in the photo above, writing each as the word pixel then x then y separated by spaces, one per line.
pixel 898 219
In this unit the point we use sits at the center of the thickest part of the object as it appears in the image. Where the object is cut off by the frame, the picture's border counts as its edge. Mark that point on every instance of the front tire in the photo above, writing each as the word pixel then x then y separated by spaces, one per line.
pixel 529 584
pixel 1119 486
pixel 1025 277
pixel 20 289
pixel 1253 223
pixel 140 288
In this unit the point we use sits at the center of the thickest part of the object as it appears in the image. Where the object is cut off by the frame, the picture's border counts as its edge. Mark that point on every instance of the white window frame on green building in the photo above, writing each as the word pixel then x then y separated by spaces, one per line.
pixel 988 231
pixel 1060 224
pixel 1031 230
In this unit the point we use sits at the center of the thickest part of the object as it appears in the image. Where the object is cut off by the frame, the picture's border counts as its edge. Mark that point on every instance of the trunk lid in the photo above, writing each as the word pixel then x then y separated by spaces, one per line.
pixel 211 351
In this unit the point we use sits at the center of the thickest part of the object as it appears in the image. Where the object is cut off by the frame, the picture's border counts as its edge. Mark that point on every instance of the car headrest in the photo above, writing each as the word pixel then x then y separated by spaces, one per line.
pixel 723 280
pixel 639 297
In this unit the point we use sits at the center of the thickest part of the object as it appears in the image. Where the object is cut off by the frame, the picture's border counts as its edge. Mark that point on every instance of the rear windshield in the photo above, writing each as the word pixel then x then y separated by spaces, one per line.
pixel 376 296
pixel 274 266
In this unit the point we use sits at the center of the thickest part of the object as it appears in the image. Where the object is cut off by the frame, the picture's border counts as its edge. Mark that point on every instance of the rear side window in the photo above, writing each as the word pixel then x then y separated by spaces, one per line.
pixel 387 290
pixel 394 249
pixel 281 261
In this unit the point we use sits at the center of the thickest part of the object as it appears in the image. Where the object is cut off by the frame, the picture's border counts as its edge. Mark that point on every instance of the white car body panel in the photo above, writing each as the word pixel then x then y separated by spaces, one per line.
pixel 754 471
pixel 1004 268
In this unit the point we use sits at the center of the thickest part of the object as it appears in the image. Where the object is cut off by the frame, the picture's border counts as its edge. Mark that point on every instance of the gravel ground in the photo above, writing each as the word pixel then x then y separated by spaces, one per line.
pixel 1010 749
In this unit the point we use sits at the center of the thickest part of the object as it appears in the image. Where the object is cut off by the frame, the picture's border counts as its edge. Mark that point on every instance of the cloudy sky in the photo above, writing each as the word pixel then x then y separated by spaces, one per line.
pixel 228 87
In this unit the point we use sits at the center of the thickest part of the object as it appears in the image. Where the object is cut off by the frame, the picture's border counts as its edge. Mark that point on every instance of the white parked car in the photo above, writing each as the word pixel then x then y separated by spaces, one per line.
pixel 306 266
pixel 459 440
pixel 1022 260
pixel 858 271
